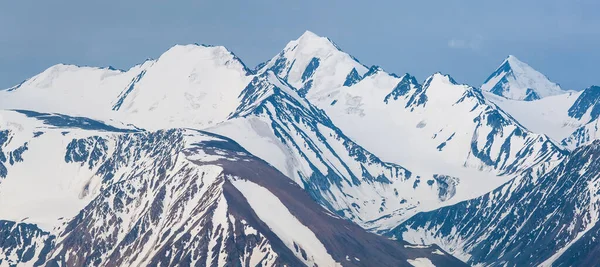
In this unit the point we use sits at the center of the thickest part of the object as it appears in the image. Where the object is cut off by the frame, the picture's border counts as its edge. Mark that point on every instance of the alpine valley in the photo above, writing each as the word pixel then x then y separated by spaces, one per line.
pixel 309 159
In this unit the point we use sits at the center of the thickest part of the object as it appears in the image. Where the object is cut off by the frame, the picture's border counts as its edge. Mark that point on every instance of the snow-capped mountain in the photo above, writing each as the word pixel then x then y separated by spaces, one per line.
pixel 188 85
pixel 516 80
pixel 308 146
pixel 171 197
pixel 471 139
pixel 547 220
pixel 194 159
pixel 300 140
pixel 313 63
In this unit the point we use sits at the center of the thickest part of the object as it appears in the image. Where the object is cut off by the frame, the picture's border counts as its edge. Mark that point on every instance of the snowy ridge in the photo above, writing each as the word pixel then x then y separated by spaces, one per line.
pixel 532 220
pixel 187 85
pixel 441 119
pixel 68 89
pixel 453 127
pixel 173 197
pixel 366 101
pixel 301 141
pixel 570 118
pixel 515 79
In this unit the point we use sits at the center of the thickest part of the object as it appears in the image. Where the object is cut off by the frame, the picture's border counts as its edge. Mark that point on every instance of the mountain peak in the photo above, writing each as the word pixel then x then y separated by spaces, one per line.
pixel 190 48
pixel 49 76
pixel 312 63
pixel 197 53
pixel 309 35
pixel 444 78
pixel 512 58
pixel 310 42
pixel 515 79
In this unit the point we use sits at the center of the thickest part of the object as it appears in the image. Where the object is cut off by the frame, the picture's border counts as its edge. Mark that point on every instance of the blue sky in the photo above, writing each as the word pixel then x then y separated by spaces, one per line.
pixel 466 39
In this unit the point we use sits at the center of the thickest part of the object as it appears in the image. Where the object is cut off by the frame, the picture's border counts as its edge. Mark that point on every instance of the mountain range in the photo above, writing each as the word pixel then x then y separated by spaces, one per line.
pixel 309 159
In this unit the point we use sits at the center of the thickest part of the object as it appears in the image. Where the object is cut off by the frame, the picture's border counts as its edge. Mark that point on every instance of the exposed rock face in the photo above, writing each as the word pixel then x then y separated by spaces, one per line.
pixel 181 197
pixel 531 220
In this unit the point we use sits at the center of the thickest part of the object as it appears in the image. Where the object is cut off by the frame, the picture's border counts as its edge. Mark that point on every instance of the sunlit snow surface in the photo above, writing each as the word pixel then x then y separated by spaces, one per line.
pixel 515 79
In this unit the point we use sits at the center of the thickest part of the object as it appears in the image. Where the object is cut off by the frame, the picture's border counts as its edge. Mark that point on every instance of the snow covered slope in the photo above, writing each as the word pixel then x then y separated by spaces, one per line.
pixel 298 139
pixel 570 118
pixel 548 115
pixel 188 85
pixel 312 63
pixel 171 197
pixel 515 79
pixel 452 126
pixel 69 89
pixel 531 220
pixel 199 86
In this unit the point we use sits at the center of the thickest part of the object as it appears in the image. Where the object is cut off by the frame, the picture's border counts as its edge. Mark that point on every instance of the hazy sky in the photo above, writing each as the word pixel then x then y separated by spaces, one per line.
pixel 466 39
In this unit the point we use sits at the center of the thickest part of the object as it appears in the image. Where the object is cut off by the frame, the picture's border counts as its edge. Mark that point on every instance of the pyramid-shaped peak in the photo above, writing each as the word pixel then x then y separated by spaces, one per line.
pixel 515 79
pixel 438 76
pixel 517 65
pixel 309 35
pixel 310 41
pixel 512 58
pixel 312 63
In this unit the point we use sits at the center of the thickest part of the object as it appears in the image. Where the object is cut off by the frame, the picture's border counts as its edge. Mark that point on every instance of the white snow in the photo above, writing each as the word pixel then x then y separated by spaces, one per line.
pixel 54 189
pixel 333 68
pixel 188 86
pixel 421 262
pixel 275 214
pixel 412 136
pixel 438 252
pixel 548 115
pixel 69 89
pixel 521 77
pixel 417 246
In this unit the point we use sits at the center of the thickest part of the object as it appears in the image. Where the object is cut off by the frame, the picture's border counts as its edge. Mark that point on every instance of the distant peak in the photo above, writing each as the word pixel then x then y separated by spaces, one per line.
pixel 310 41
pixel 60 67
pixel 512 57
pixel 443 77
pixel 406 84
pixel 309 35
pixel 195 54
pixel 515 62
pixel 197 46
pixel 181 49
pixel 515 79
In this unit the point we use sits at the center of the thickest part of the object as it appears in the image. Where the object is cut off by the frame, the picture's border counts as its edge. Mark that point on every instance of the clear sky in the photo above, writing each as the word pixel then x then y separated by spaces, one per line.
pixel 466 39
